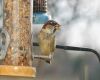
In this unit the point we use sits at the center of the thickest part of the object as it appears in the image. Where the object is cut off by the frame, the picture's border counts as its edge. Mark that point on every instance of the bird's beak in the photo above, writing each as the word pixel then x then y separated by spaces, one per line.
pixel 58 28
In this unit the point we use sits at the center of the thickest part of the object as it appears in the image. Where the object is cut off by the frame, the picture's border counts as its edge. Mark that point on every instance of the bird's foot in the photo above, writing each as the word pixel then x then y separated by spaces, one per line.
pixel 45 58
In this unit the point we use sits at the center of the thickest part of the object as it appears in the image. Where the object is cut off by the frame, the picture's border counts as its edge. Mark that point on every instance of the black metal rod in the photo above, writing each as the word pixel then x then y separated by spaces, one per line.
pixel 75 48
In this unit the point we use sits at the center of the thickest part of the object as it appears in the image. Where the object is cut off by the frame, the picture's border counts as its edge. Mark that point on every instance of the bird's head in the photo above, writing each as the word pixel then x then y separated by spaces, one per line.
pixel 51 26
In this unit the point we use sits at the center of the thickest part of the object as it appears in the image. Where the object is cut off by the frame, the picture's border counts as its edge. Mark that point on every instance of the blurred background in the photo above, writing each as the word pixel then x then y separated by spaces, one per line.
pixel 80 20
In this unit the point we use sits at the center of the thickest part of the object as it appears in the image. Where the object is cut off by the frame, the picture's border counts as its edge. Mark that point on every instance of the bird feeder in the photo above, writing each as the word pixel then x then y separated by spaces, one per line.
pixel 17 23
pixel 40 15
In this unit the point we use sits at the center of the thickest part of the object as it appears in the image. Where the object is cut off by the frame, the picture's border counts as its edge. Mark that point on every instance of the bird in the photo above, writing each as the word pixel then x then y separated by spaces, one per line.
pixel 47 42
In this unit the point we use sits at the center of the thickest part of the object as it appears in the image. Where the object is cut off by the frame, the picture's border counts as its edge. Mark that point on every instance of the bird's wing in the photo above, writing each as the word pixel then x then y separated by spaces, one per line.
pixel 52 44
pixel 44 43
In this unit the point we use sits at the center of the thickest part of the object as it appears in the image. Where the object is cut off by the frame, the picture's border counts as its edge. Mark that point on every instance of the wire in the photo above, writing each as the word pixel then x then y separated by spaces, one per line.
pixel 75 48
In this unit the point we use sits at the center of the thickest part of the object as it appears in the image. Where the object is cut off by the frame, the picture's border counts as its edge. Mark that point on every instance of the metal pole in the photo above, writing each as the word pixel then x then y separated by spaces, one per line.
pixel 86 72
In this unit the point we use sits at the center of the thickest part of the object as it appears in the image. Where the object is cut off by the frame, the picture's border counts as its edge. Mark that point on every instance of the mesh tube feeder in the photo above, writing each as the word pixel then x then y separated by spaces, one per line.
pixel 40 12
pixel 17 22
pixel 40 6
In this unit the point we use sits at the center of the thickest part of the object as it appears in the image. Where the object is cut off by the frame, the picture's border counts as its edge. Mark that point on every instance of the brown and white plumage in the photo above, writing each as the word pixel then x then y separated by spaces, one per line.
pixel 47 39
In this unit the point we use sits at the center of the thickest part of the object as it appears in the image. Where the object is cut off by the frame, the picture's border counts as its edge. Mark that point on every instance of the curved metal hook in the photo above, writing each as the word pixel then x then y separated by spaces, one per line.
pixel 75 48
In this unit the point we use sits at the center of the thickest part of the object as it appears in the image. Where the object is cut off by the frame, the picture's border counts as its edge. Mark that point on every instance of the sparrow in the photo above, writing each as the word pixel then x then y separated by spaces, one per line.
pixel 47 41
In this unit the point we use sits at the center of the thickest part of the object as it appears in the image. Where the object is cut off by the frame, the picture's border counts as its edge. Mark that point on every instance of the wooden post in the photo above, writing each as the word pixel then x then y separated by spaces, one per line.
pixel 17 22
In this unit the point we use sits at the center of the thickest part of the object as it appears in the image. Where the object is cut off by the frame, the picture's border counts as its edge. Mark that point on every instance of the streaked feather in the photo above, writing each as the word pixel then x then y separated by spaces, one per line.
pixel 47 43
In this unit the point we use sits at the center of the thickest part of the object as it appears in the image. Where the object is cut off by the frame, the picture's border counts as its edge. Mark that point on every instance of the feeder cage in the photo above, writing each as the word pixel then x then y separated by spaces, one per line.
pixel 40 6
